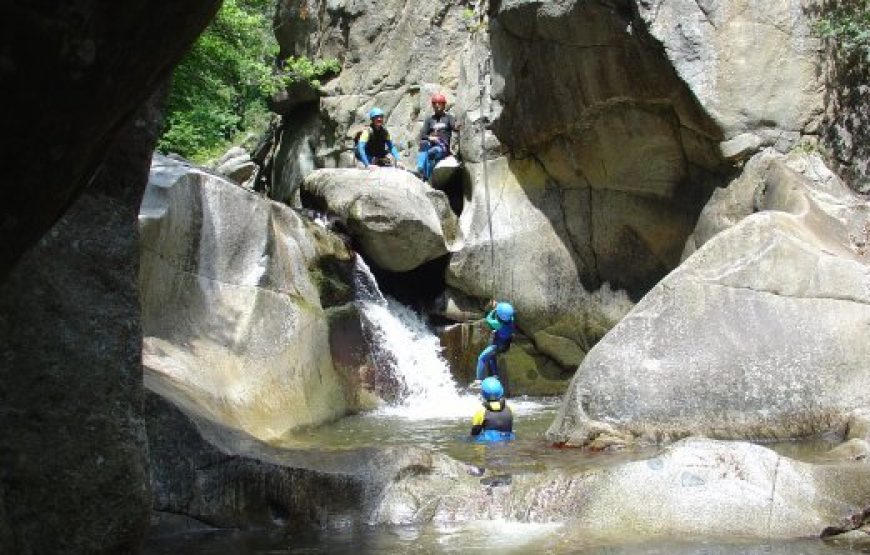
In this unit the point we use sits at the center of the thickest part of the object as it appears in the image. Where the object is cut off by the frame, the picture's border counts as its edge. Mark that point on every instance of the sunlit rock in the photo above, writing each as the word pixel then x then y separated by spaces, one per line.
pixel 530 262
pixel 695 488
pixel 761 333
pixel 236 164
pixel 858 426
pixel 231 291
pixel 399 221
pixel 852 450
pixel 754 68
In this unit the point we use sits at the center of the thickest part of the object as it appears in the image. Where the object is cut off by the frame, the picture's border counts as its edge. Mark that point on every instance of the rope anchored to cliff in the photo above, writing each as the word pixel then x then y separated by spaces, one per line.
pixel 483 70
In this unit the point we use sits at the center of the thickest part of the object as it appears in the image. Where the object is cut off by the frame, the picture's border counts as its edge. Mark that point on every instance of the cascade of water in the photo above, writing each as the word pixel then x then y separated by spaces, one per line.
pixel 365 287
pixel 407 356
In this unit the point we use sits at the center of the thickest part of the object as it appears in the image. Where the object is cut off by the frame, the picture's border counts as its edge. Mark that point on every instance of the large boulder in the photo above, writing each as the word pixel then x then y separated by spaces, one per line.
pixel 532 261
pixel 207 474
pixel 399 222
pixel 600 160
pixel 108 58
pixel 72 437
pixel 761 333
pixel 75 163
pixel 231 289
pixel 697 488
pixel 754 68
pixel 236 165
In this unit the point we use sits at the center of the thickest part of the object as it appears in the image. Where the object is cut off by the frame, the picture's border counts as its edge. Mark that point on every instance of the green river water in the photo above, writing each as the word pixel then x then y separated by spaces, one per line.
pixel 530 453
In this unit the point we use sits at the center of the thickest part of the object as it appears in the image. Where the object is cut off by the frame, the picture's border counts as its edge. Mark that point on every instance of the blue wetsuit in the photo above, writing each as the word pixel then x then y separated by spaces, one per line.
pixel 502 334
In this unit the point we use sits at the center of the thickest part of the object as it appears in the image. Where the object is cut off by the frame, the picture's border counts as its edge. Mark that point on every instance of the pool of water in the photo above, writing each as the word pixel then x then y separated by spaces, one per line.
pixel 480 537
pixel 529 453
pixel 449 434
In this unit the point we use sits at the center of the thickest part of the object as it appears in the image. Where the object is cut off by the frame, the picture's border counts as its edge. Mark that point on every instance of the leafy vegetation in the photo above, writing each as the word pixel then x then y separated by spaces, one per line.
pixel 847 23
pixel 219 89
pixel 303 69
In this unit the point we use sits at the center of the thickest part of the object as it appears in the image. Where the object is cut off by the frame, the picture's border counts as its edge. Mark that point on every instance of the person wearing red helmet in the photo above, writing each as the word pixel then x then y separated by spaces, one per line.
pixel 435 136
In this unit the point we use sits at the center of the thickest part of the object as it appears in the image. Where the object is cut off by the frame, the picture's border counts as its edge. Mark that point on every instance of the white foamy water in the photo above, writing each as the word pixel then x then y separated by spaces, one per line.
pixel 405 350
pixel 509 536
pixel 413 354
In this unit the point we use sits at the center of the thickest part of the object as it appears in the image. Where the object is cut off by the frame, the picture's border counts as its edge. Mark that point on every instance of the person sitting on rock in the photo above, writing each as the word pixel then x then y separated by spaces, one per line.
pixel 435 137
pixel 501 321
pixel 494 421
pixel 374 147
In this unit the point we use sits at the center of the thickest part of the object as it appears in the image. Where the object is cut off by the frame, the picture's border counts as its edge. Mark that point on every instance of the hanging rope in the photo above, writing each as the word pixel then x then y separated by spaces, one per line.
pixel 483 69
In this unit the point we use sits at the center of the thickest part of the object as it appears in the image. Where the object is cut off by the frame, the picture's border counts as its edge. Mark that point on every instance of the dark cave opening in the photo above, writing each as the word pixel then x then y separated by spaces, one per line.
pixel 417 288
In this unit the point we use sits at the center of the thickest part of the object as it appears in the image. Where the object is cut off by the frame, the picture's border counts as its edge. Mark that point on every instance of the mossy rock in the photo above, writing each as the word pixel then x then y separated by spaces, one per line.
pixel 527 375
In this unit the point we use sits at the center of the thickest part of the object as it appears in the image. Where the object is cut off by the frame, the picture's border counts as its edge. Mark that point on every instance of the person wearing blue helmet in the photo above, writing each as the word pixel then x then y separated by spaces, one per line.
pixel 374 146
pixel 494 421
pixel 501 321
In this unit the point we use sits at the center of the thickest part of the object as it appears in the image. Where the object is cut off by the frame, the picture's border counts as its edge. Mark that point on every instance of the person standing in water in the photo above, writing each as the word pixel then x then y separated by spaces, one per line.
pixel 494 421
pixel 501 321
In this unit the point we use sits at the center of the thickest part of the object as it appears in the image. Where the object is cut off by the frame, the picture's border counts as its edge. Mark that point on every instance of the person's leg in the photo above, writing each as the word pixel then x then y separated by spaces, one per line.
pixel 483 361
pixel 433 155
pixel 422 156
pixel 492 366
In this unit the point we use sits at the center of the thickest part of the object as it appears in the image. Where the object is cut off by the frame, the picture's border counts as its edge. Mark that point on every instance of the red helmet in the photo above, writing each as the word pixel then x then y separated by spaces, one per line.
pixel 439 98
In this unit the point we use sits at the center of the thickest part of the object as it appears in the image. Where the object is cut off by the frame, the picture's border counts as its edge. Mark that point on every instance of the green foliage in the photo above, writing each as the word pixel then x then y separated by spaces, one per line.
pixel 218 89
pixel 847 23
pixel 303 69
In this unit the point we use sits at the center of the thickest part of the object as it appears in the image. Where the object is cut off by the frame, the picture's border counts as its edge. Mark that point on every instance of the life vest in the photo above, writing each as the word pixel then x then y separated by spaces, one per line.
pixel 376 140
pixel 497 416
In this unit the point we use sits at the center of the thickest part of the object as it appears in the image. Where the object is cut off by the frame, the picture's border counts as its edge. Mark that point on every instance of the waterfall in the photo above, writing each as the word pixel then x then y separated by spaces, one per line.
pixel 407 357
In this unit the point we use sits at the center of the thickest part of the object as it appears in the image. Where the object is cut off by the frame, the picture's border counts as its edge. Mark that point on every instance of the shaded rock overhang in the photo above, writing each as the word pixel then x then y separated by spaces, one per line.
pixel 586 93
pixel 73 73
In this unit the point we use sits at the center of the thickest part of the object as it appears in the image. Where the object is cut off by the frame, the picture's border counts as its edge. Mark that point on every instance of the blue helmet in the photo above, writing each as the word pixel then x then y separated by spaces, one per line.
pixel 491 389
pixel 375 112
pixel 504 312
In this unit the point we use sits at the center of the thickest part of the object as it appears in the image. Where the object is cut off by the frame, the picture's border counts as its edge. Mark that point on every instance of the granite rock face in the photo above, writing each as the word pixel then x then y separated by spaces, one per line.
pixel 396 219
pixel 72 437
pixel 760 333
pixel 231 287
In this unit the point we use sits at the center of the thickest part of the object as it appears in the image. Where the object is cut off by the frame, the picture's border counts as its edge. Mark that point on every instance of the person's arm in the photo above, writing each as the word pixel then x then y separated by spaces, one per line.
pixel 393 150
pixel 492 320
pixel 361 147
pixel 424 133
pixel 477 422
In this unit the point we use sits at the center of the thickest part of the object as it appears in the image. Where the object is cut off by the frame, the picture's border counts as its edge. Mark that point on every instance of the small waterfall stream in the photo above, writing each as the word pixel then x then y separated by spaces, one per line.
pixel 407 357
